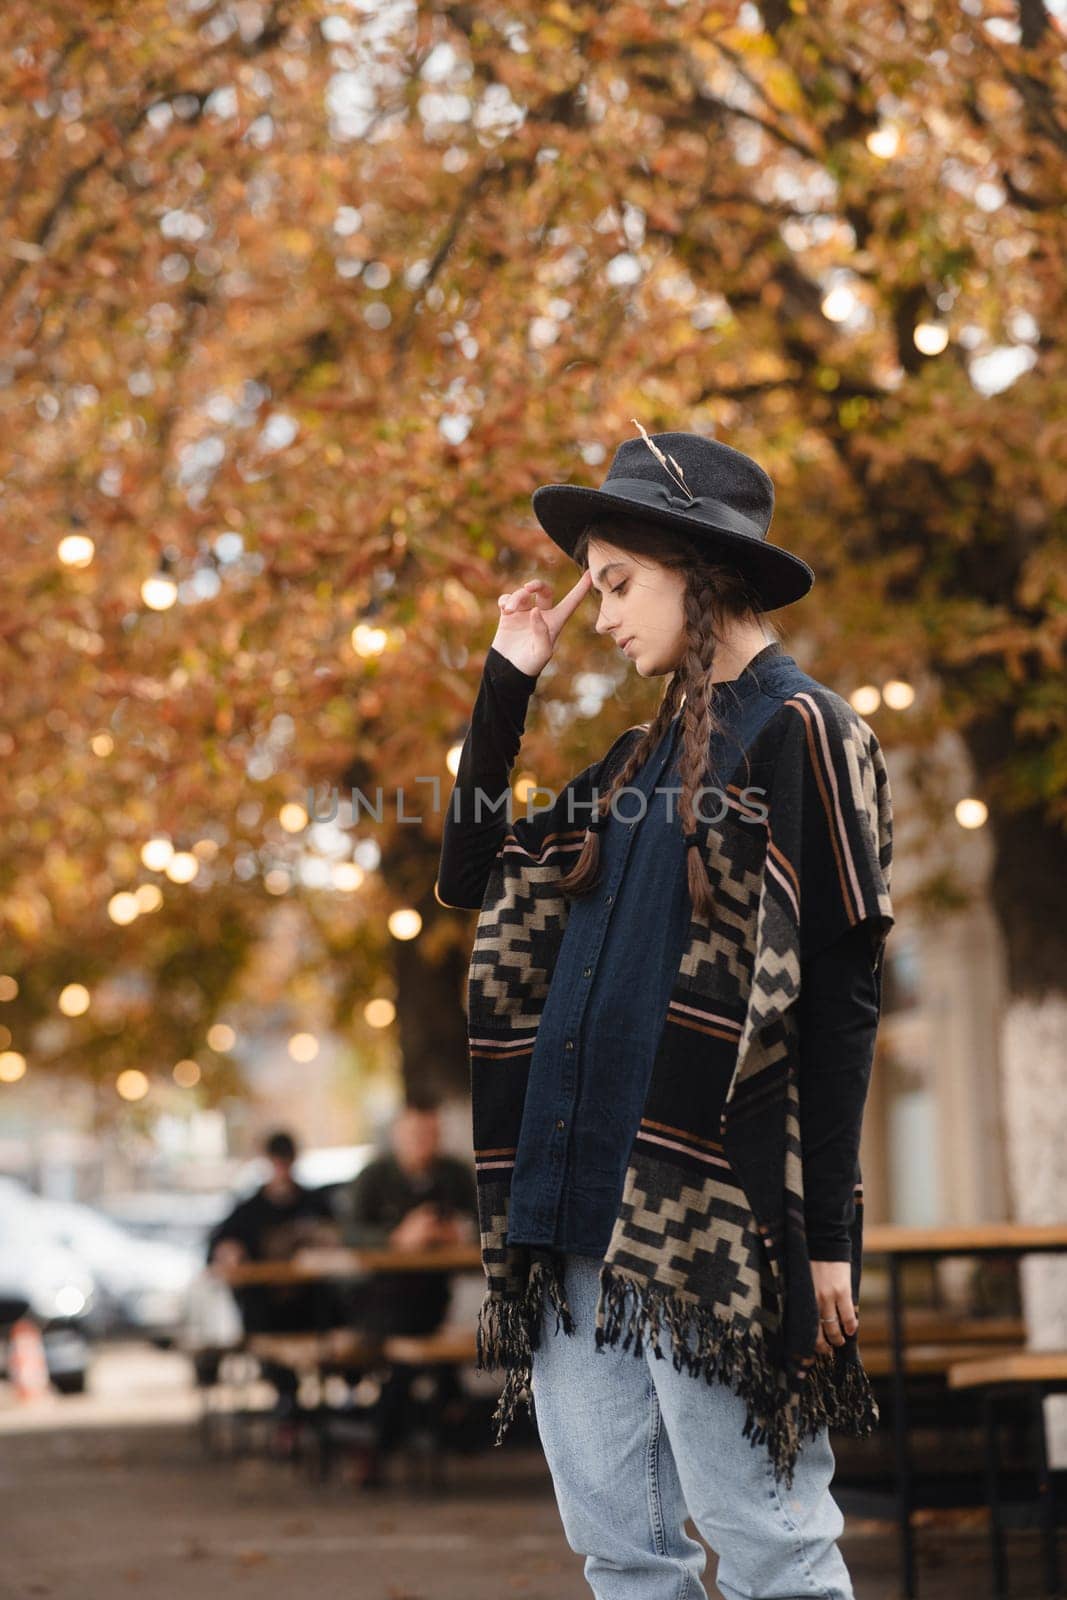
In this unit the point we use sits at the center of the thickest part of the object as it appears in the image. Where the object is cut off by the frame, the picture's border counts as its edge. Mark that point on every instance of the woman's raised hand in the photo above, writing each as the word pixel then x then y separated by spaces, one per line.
pixel 530 624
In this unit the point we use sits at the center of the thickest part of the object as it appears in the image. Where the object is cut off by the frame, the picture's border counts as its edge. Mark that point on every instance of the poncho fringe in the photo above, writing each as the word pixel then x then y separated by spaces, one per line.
pixel 508 1331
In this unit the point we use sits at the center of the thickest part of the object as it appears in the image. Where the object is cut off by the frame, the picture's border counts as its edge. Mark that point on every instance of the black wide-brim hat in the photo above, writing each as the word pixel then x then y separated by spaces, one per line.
pixel 718 496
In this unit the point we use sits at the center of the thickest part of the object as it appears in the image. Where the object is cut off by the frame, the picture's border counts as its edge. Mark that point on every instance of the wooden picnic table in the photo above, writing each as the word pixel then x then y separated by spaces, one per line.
pixel 901 1244
pixel 982 1238
pixel 324 1264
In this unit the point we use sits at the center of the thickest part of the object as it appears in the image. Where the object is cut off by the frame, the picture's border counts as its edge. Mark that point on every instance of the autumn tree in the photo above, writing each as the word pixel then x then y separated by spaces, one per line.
pixel 300 301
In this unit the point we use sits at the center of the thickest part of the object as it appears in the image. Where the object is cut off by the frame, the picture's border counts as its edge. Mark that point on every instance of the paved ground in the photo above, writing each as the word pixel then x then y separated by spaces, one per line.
pixel 109 1497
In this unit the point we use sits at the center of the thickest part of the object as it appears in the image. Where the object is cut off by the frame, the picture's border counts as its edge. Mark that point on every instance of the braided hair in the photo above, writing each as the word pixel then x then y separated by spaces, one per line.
pixel 715 594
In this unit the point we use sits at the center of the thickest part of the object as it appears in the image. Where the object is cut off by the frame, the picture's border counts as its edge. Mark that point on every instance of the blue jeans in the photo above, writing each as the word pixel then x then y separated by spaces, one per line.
pixel 634 1447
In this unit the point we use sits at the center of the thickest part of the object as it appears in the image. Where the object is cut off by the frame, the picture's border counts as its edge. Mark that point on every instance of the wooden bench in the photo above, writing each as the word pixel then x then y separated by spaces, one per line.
pixel 928 1360
pixel 226 1425
pixel 936 1339
pixel 311 1352
pixel 453 1347
pixel 447 1348
pixel 1024 1366
pixel 1037 1373
pixel 925 1326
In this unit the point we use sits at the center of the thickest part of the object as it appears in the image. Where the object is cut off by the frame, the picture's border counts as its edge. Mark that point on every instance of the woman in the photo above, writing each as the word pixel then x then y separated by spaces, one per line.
pixel 672 1008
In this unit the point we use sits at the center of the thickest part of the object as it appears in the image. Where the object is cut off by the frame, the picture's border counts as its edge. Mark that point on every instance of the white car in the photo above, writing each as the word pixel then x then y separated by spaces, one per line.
pixel 171 1216
pixel 44 1280
pixel 142 1284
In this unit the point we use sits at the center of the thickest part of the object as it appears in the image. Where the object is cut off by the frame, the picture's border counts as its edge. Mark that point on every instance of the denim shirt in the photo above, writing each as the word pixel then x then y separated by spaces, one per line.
pixel 607 1001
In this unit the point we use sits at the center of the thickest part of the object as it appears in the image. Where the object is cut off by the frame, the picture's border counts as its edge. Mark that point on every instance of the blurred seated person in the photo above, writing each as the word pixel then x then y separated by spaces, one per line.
pixel 412 1197
pixel 281 1218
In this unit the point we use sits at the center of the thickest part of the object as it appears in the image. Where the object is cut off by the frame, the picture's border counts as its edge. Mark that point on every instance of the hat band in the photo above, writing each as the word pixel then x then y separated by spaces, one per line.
pixel 659 498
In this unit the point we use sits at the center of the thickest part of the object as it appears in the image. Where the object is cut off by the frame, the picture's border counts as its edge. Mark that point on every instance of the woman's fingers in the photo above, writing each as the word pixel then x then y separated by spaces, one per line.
pixel 535 596
pixel 573 598
pixel 829 1330
pixel 532 593
pixel 837 1318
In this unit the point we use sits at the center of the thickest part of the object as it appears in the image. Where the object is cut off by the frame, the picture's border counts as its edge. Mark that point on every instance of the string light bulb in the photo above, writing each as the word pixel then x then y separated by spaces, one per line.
pixel 76 550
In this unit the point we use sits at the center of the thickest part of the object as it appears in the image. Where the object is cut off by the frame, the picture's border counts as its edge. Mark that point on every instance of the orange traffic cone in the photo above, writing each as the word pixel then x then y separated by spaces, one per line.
pixel 27 1366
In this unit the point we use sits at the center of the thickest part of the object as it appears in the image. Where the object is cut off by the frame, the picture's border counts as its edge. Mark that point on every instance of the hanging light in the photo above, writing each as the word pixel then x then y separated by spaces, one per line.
pixel 12 1066
pixel 74 1000
pixel 76 550
pixel 930 337
pixel 865 699
pixel 132 1084
pixel 347 876
pixel 898 694
pixel 123 908
pixel 405 924
pixel 884 142
pixel 839 303
pixel 155 853
pixel 368 641
pixel 159 592
pixel 379 1013
pixel 182 867
pixel 971 812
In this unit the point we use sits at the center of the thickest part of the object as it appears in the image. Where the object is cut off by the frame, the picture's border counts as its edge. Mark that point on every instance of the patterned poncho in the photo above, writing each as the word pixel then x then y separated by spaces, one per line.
pixel 708 1249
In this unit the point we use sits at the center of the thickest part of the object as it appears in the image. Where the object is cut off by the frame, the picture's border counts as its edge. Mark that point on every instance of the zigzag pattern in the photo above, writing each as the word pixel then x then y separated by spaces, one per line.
pixel 697 1238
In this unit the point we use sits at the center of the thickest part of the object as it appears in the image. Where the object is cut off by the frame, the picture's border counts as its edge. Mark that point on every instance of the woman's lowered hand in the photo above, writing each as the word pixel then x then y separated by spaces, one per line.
pixel 832 1281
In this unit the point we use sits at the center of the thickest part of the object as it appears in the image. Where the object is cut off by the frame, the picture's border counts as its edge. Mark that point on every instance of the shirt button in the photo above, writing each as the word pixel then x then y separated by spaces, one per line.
pixel 609 898
pixel 570 1044
pixel 561 1123
pixel 587 971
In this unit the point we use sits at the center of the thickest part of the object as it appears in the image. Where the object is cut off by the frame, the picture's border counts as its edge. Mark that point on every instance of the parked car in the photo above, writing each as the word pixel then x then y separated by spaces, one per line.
pixel 44 1277
pixel 173 1216
pixel 142 1284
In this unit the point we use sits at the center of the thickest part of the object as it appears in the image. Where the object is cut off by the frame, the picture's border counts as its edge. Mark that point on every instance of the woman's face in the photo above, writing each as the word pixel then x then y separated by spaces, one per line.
pixel 640 601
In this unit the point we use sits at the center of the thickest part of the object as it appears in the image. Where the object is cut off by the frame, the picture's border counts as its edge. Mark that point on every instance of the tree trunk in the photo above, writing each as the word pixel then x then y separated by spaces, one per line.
pixel 431 1013
pixel 1026 889
pixel 431 973
pixel 431 969
pixel 1035 1114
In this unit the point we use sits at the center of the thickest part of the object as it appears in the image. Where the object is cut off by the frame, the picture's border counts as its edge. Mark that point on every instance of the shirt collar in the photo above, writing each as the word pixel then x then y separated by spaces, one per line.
pixel 770 652
pixel 751 678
